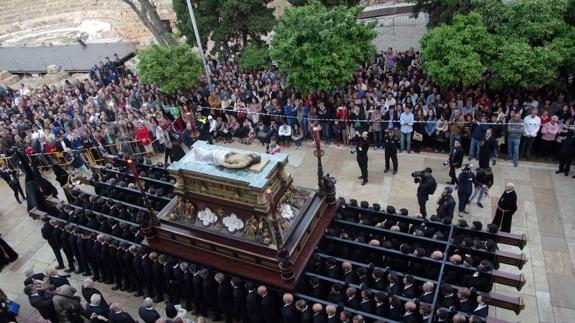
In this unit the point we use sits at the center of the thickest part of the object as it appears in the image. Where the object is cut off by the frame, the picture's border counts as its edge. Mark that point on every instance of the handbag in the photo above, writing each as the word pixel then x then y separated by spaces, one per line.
pixel 13 307
pixel 417 136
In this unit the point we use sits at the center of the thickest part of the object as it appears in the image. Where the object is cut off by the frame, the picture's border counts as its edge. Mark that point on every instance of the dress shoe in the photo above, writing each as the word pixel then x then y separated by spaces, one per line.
pixel 69 270
pixel 364 182
pixel 465 212
pixel 78 272
pixel 385 171
pixel 115 288
pixel 558 171
pixel 394 172
pixel 60 267
pixel 360 177
pixel 480 205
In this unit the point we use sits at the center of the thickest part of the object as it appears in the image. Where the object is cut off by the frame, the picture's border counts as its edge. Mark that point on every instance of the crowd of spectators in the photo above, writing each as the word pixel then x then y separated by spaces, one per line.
pixel 113 111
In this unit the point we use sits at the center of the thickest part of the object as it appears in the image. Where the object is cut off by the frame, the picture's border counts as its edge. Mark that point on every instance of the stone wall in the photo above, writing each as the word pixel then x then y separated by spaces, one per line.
pixel 20 18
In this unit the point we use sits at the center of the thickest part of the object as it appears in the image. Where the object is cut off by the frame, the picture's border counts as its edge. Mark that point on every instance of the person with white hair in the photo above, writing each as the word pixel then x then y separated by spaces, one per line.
pixel 117 315
pixel 95 311
pixel 506 207
pixel 88 290
pixel 147 312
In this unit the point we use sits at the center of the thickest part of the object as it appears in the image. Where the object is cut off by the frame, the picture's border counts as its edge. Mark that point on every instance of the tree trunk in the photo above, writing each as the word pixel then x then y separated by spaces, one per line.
pixel 150 18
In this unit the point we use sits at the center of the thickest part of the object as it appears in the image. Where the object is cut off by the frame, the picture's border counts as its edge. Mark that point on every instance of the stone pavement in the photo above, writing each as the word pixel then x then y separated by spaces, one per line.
pixel 545 214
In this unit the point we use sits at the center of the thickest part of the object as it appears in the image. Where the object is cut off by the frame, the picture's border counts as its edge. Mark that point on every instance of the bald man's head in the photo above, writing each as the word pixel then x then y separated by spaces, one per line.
pixel 437 255
pixel 287 298
pixel 455 259
pixel 262 290
pixel 346 266
pixel 330 310
pixel 410 306
pixel 317 308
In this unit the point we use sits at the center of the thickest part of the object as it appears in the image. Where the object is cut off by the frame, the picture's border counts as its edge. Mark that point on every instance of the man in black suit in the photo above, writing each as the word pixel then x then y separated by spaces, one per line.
pixel 88 290
pixel 391 142
pixel 48 234
pixel 318 314
pixel 305 313
pixel 395 286
pixel 345 316
pixel 224 298
pixel 158 276
pixel 331 269
pixel 361 149
pixel 381 307
pixel 446 296
pixel 147 312
pixel 209 289
pixel 136 276
pixel 198 294
pixel 411 314
pixel 118 316
pixel 55 279
pixel 427 295
pixel 239 299
pixel 253 304
pixel 288 311
pixel 95 310
pixel 268 305
pixel 425 188
pixel 366 305
pixel 455 161
pixel 351 300
pixel 409 289
pixel 466 300
pixel 482 309
pixel 331 312
pixel 42 301
pixel 348 273
pixel 31 276
pixel 315 288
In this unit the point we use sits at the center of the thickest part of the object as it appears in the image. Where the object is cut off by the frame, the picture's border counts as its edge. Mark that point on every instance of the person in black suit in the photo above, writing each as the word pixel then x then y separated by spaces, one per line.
pixel 351 301
pixel 288 311
pixel 426 187
pixel 136 276
pixel 31 276
pixel 411 314
pixel 318 313
pixel 466 182
pixel 409 289
pixel 395 286
pixel 366 304
pixel 253 304
pixel 390 144
pixel 48 235
pixel 381 307
pixel 147 312
pixel 345 316
pixel 42 301
pixel 157 277
pixel 95 311
pixel 210 291
pixel 66 247
pixel 331 312
pixel 427 295
pixel 331 270
pixel 239 299
pixel 348 273
pixel 305 312
pixel 224 298
pixel 482 309
pixel 395 308
pixel 487 148
pixel 466 300
pixel 88 290
pixel 446 296
pixel 361 148
pixel 455 161
pixel 55 279
pixel 446 204
pixel 506 207
pixel 268 305
pixel 11 177
pixel 198 300
pixel 118 316
pixel 315 288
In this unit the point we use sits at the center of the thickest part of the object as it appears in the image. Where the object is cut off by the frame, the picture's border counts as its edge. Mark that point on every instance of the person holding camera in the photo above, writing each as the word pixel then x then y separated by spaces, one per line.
pixel 427 186
pixel 391 142
pixel 455 161
pixel 362 148
pixel 465 187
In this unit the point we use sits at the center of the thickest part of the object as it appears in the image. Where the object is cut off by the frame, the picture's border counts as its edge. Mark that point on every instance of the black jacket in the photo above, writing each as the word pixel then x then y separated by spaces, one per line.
pixel 289 314
pixel 121 317
pixel 362 148
pixel 456 157
pixel 148 315
pixel 43 303
pixel 390 145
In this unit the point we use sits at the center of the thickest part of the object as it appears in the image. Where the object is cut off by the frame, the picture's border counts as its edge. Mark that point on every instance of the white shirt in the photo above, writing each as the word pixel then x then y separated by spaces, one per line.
pixel 284 130
pixel 532 126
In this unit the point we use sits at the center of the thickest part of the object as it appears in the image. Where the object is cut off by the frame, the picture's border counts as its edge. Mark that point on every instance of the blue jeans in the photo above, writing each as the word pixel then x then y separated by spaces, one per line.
pixel 325 127
pixel 513 149
pixel 304 126
pixel 474 148
pixel 452 139
pixel 377 138
pixel 405 140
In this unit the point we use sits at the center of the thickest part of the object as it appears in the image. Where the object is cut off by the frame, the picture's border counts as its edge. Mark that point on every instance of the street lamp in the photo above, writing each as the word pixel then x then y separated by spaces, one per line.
pixel 198 41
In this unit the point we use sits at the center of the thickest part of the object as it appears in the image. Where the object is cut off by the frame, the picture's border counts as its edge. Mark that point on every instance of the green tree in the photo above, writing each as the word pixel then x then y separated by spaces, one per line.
pixel 317 48
pixel 148 15
pixel 253 58
pixel 171 68
pixel 242 21
pixel 441 11
pixel 458 54
pixel 327 3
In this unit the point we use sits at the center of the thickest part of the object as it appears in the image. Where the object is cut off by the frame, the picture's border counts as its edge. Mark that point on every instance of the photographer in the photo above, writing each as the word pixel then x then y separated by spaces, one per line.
pixel 483 182
pixel 455 161
pixel 465 187
pixel 427 186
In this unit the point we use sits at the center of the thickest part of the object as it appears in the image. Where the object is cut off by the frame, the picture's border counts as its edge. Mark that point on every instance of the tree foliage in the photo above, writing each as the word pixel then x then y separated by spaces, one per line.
pixel 148 15
pixel 318 48
pixel 171 68
pixel 254 57
pixel 441 11
pixel 458 54
pixel 534 43
pixel 242 21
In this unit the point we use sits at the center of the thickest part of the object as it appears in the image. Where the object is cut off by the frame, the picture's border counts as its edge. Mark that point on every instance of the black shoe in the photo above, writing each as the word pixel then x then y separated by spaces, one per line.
pixel 360 177
pixel 18 200
pixel 69 270
pixel 394 172
pixel 465 212
pixel 449 183
pixel 559 171
pixel 364 182
pixel 480 205
pixel 60 267
pixel 566 174
pixel 385 171
pixel 115 288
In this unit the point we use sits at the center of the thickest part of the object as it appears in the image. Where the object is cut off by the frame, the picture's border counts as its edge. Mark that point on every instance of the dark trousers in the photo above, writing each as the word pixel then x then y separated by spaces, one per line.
pixel 422 200
pixel 57 253
pixel 15 186
pixel 565 163
pixel 70 257
pixel 526 146
pixel 362 162
pixel 393 158
pixel 463 200
pixel 452 175
pixel 503 220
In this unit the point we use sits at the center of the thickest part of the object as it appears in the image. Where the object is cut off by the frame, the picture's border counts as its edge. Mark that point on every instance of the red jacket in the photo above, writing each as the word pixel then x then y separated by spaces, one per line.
pixel 143 134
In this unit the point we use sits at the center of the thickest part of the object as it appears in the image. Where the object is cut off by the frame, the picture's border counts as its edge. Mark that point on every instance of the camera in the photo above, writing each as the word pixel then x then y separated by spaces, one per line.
pixel 417 176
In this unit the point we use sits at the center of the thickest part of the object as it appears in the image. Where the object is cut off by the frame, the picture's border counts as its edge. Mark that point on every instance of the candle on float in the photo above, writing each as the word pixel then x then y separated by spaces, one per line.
pixel 133 169
pixel 316 137
pixel 270 199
